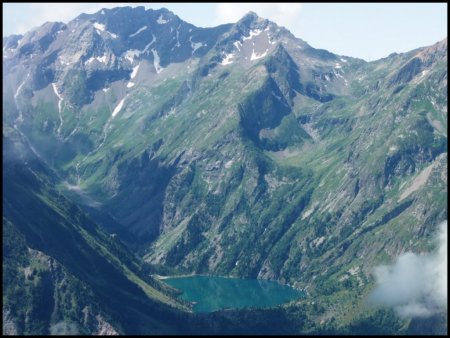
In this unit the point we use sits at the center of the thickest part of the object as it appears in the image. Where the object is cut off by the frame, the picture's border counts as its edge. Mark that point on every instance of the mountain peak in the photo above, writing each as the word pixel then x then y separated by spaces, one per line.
pixel 251 17
pixel 251 21
pixel 251 14
pixel 121 10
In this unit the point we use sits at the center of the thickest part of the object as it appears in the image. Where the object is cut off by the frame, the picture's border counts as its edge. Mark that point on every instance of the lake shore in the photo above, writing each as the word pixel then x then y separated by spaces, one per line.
pixel 159 277
pixel 215 293
pixel 175 276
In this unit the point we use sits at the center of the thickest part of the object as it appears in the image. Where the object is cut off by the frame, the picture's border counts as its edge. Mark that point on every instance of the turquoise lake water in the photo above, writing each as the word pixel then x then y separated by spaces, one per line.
pixel 213 293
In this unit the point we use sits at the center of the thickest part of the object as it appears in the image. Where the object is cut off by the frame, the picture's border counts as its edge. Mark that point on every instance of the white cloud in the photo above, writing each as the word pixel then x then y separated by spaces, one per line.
pixel 415 285
pixel 64 328
pixel 284 14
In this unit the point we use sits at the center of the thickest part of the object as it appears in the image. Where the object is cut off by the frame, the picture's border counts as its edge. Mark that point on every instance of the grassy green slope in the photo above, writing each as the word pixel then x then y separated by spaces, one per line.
pixel 214 174
pixel 46 222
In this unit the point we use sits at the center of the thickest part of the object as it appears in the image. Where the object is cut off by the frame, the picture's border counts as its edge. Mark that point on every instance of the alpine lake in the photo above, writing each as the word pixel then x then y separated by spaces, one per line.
pixel 212 293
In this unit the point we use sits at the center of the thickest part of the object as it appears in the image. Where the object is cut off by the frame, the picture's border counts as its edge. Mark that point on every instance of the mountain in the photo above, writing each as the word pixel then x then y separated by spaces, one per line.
pixel 62 273
pixel 237 150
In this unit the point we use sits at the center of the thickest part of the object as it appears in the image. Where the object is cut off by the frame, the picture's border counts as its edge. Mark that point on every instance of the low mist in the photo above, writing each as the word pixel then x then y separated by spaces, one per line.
pixel 64 329
pixel 415 285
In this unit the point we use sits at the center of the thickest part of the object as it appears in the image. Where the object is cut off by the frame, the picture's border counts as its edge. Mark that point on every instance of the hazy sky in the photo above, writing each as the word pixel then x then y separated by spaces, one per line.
pixel 367 31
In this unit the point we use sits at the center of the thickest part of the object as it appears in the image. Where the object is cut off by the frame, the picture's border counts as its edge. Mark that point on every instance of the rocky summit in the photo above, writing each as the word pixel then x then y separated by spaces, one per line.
pixel 138 144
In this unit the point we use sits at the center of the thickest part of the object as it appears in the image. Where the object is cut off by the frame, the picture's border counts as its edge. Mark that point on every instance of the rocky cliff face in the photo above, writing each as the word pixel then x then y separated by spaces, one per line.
pixel 62 274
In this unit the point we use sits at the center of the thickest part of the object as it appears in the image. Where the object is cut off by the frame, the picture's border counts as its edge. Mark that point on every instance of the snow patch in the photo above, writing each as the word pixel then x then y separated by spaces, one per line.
pixel 105 89
pixel 256 56
pixel 308 212
pixel 318 241
pixel 64 62
pixel 229 164
pixel 101 59
pixel 149 44
pixel 61 122
pixel 131 54
pixel 130 84
pixel 337 65
pixel 161 20
pixel 343 60
pixel 135 71
pixel 118 107
pixel 20 117
pixel 354 270
pixel 114 36
pixel 195 46
pixel 227 59
pixel 424 72
pixel 99 26
pixel 238 45
pixel 138 31
pixel 156 60
pixel 253 33
pixel 55 89
pixel 20 87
